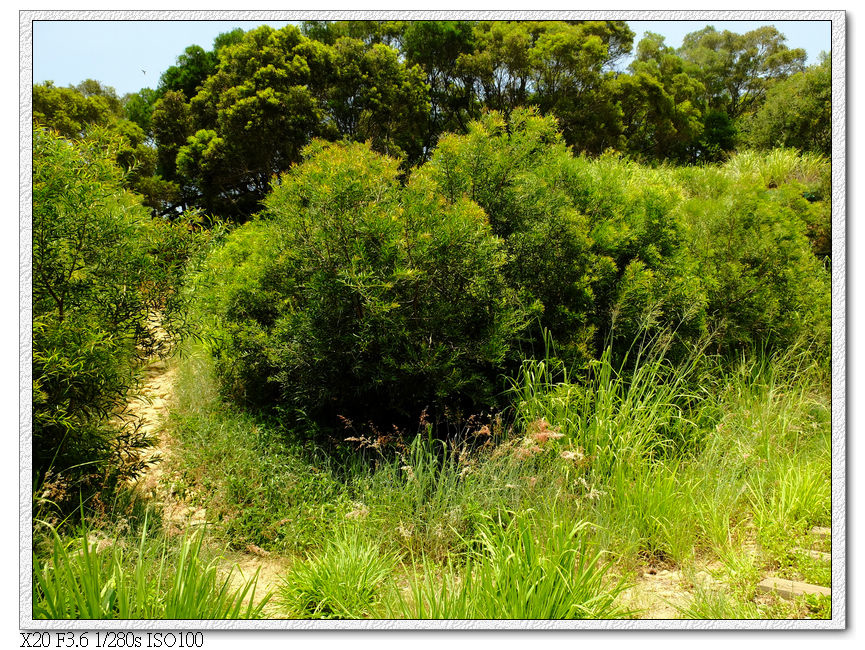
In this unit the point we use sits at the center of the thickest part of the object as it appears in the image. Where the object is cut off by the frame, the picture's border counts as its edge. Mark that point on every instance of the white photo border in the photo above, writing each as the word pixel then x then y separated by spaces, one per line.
pixel 839 339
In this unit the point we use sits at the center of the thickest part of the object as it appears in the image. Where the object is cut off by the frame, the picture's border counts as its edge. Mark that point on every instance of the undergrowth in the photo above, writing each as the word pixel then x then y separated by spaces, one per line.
pixel 666 464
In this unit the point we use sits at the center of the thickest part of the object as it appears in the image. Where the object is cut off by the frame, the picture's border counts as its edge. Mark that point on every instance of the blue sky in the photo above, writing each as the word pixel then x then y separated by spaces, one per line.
pixel 129 55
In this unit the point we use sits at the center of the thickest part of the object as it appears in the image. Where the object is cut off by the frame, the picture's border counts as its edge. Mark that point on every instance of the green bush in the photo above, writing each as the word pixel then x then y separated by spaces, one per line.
pixel 354 294
pixel 344 581
pixel 516 171
pixel 366 299
pixel 102 267
pixel 763 284
pixel 643 279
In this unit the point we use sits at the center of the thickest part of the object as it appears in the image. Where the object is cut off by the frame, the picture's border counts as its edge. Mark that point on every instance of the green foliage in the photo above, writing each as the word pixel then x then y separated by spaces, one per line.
pixel 738 69
pixel 660 104
pixel 373 300
pixel 275 495
pixel 522 569
pixel 796 499
pixel 515 171
pixel 69 111
pixel 612 418
pixel 373 97
pixel 92 582
pixel 435 46
pixel 727 427
pixel 101 268
pixel 344 581
pixel 349 272
pixel 402 85
pixel 242 113
pixel 797 113
pixel 643 276
pixel 369 292
pixel 94 112
pixel 139 107
pixel 763 284
pixel 192 69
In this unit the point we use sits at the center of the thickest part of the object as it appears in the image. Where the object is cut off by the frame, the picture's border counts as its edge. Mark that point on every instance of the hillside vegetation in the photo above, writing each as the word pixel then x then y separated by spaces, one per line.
pixel 445 348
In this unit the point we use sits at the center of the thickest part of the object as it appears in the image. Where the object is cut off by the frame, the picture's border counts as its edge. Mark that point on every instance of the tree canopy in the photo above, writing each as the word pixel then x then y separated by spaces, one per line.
pixel 224 122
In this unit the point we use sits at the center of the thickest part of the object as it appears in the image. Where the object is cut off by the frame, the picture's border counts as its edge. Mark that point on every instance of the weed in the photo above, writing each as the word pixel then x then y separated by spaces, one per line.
pixel 343 581
pixel 520 570
pixel 96 582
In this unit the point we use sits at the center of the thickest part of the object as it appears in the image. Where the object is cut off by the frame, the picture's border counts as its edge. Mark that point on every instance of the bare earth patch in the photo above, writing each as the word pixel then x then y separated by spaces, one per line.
pixel 661 594
pixel 151 408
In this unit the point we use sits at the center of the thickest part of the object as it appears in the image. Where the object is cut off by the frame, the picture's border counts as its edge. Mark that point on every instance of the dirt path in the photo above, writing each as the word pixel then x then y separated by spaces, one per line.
pixel 664 593
pixel 151 407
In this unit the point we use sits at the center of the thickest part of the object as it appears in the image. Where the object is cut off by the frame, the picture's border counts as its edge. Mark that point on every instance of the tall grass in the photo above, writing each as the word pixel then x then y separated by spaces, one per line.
pixel 94 583
pixel 521 569
pixel 614 416
pixel 344 581
pixel 779 166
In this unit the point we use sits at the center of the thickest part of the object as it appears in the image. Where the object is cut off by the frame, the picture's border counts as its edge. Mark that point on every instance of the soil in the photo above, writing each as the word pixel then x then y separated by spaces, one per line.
pixel 662 593
pixel 151 407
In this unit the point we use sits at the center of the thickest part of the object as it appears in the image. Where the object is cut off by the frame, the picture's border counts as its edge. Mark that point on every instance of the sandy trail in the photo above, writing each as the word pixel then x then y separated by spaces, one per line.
pixel 151 406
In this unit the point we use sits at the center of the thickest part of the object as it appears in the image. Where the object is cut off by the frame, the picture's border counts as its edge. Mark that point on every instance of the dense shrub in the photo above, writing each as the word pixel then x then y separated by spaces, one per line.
pixel 643 277
pixel 359 295
pixel 365 298
pixel 101 268
pixel 797 113
pixel 763 283
pixel 515 171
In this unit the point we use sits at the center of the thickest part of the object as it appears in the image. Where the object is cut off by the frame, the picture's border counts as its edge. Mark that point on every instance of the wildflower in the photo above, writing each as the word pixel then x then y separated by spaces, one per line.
pixel 541 431
pixel 360 511
pixel 592 494
pixel 404 531
pixel 543 436
pixel 575 455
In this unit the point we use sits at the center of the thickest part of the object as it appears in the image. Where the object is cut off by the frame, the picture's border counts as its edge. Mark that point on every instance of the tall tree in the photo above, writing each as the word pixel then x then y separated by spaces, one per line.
pixel 738 69
pixel 797 113
pixel 69 111
pixel 373 96
pixel 571 79
pixel 252 117
pixel 662 112
pixel 436 45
